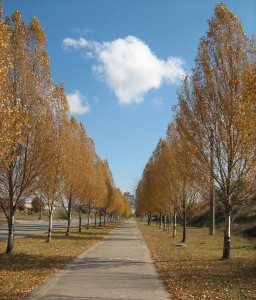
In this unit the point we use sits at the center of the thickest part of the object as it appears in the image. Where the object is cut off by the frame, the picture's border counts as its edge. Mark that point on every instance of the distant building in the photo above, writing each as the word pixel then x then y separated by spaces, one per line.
pixel 130 200
pixel 28 203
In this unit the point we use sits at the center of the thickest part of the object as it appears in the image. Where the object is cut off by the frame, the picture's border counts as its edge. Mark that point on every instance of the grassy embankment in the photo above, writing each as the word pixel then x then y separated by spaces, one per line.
pixel 34 261
pixel 196 270
pixel 58 215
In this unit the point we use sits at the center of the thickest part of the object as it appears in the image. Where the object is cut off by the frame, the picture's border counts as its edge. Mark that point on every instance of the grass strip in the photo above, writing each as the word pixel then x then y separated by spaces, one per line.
pixel 196 270
pixel 34 260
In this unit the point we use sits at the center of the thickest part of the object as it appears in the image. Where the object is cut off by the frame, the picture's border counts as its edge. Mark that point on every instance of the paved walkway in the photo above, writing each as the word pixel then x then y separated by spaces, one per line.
pixel 119 267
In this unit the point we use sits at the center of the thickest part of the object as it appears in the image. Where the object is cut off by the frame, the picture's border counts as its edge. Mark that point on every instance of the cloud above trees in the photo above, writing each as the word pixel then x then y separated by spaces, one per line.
pixel 128 66
pixel 77 103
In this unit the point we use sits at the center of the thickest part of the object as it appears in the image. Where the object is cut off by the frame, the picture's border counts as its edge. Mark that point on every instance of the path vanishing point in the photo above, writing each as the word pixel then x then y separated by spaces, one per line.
pixel 118 267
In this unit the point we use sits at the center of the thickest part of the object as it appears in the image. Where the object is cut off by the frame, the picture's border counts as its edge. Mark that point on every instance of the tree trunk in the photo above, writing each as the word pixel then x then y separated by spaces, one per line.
pixel 41 210
pixel 160 220
pixel 49 237
pixel 11 206
pixel 227 235
pixel 149 218
pixel 10 242
pixel 165 219
pixel 95 219
pixel 69 217
pixel 184 235
pixel 184 212
pixel 80 220
pixel 89 216
pixel 100 221
pixel 104 219
pixel 212 200
pixel 168 224
pixel 212 215
pixel 174 224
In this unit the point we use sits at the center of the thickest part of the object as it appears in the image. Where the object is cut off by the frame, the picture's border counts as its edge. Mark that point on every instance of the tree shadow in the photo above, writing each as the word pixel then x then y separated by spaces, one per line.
pixel 23 262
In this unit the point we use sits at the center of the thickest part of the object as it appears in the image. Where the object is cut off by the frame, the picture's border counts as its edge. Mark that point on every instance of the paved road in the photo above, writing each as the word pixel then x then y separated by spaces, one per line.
pixel 27 228
pixel 119 267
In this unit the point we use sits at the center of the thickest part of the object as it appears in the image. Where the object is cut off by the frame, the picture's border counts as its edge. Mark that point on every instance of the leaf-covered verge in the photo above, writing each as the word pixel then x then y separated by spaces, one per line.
pixel 196 270
pixel 34 260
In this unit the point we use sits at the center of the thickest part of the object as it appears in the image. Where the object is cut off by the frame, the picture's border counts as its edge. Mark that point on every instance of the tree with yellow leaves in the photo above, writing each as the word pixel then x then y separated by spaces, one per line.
pixel 93 178
pixel 116 206
pixel 146 196
pixel 127 209
pixel 85 171
pixel 217 113
pixel 140 203
pixel 13 117
pixel 166 184
pixel 70 162
pixel 187 186
pixel 110 186
pixel 6 114
pixel 27 81
pixel 49 187
pixel 104 179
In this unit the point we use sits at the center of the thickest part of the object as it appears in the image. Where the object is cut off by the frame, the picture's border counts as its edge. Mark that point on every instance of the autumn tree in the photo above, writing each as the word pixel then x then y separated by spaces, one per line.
pixel 49 180
pixel 155 191
pixel 5 126
pixel 101 193
pixel 44 153
pixel 90 190
pixel 13 117
pixel 70 151
pixel 141 208
pixel 217 114
pixel 187 185
pixel 21 206
pixel 84 171
pixel 117 204
pixel 87 174
pixel 144 196
pixel 127 209
pixel 151 192
pixel 165 182
pixel 38 206
pixel 110 186
pixel 27 81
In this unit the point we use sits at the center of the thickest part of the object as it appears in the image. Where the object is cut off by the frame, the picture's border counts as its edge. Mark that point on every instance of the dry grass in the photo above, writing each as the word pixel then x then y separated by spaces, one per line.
pixel 2 218
pixel 196 271
pixel 34 260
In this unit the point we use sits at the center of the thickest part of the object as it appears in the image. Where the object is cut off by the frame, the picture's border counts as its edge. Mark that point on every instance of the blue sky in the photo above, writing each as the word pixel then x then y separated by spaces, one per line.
pixel 121 62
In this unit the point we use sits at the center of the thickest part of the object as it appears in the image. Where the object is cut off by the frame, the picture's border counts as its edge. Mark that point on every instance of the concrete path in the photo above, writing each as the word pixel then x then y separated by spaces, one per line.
pixel 119 267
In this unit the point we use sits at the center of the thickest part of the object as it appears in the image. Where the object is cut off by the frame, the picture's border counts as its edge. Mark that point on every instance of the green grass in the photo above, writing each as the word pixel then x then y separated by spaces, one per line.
pixel 197 271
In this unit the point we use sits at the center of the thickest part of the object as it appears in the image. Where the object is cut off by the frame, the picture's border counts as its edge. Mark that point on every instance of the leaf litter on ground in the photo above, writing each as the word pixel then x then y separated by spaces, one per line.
pixel 196 271
pixel 34 261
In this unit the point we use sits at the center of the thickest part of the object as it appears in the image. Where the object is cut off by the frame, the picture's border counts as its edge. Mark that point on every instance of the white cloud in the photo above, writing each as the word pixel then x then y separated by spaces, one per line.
pixel 158 101
pixel 84 31
pixel 129 67
pixel 76 103
pixel 77 44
